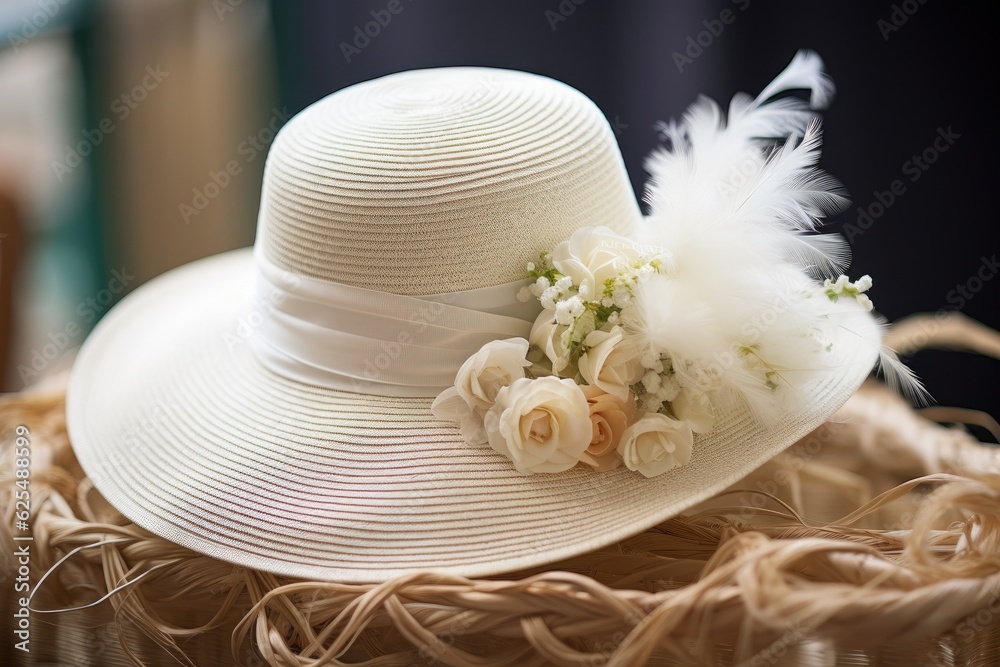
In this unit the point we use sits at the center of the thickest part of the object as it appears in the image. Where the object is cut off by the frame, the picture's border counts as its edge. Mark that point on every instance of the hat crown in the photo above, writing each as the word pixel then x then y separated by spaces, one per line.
pixel 439 180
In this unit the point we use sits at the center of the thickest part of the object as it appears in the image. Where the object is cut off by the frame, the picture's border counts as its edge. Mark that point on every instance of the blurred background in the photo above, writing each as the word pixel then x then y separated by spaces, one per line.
pixel 133 133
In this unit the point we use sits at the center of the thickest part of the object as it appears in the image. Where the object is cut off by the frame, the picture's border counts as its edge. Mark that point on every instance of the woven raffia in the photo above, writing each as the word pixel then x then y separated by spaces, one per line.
pixel 873 541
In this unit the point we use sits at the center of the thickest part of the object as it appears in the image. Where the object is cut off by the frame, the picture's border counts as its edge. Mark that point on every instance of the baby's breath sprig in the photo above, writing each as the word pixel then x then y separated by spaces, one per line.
pixel 579 311
pixel 658 385
pixel 550 286
pixel 844 287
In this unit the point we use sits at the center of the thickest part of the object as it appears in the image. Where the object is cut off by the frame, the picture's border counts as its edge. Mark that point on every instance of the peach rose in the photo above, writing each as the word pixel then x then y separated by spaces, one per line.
pixel 609 417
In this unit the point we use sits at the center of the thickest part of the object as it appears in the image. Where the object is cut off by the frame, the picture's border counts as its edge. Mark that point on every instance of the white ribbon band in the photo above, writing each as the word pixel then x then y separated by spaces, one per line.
pixel 365 341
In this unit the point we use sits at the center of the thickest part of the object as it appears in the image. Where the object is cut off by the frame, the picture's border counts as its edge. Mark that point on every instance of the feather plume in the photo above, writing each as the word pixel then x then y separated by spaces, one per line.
pixel 806 72
pixel 737 199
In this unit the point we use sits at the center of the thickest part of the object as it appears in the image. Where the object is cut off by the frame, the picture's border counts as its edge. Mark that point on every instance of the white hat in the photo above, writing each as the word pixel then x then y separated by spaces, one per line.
pixel 273 408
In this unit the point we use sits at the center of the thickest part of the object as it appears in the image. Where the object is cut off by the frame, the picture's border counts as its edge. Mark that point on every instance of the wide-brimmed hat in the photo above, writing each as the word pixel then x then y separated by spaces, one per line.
pixel 273 407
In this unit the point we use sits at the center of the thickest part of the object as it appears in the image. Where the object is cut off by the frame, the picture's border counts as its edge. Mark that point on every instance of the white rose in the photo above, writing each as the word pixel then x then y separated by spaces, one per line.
pixel 479 380
pixel 591 256
pixel 695 408
pixel 655 444
pixel 547 336
pixel 611 362
pixel 542 425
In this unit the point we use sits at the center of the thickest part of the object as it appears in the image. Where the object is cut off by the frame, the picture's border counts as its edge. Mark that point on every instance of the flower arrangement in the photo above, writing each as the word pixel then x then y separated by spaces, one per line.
pixel 588 387
pixel 730 293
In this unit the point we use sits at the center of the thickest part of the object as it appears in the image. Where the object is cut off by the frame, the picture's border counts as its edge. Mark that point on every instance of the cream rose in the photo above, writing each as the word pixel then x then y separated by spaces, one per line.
pixel 591 256
pixel 695 408
pixel 542 425
pixel 611 362
pixel 546 335
pixel 479 380
pixel 655 444
pixel 609 417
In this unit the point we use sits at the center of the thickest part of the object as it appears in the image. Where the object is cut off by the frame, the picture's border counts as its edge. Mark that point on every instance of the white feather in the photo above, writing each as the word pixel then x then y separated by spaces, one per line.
pixel 736 202
pixel 806 72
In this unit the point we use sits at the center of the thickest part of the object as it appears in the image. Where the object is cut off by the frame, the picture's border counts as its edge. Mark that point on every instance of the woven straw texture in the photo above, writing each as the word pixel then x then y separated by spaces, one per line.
pixel 439 180
pixel 875 540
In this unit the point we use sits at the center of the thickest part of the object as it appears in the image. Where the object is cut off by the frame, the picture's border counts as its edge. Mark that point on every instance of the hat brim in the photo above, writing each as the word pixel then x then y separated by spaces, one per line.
pixel 186 434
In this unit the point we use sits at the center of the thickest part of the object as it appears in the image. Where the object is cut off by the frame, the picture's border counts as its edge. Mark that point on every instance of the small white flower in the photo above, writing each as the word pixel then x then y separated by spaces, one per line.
pixel 548 298
pixel 844 287
pixel 564 284
pixel 524 295
pixel 584 292
pixel 607 302
pixel 651 381
pixel 655 444
pixel 651 360
pixel 563 315
pixel 541 425
pixel 539 286
pixel 531 266
pixel 613 318
pixel 621 297
pixel 668 388
pixel 575 306
pixel 832 287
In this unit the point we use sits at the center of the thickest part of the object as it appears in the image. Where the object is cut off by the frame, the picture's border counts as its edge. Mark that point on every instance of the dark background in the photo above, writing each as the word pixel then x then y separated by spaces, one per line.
pixel 897 84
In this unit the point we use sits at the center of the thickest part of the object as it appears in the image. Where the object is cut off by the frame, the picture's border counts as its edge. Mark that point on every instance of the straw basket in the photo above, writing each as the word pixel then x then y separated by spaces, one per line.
pixel 875 540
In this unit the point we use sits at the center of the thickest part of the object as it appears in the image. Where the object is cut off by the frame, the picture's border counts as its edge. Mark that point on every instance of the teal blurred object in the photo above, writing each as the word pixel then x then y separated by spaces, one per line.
pixel 61 256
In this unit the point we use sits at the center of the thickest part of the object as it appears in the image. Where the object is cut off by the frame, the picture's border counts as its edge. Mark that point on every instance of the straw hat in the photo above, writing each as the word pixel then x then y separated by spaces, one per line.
pixel 272 408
